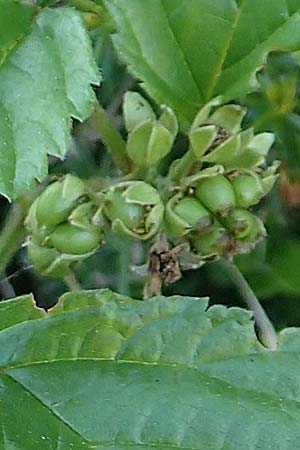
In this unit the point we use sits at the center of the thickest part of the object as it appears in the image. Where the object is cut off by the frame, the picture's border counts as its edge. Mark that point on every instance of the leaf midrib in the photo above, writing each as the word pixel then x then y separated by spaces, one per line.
pixel 268 397
pixel 91 444
pixel 218 72
pixel 184 57
pixel 109 444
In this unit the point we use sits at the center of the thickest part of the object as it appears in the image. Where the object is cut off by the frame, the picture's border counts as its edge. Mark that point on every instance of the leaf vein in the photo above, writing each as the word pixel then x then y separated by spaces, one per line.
pixel 225 51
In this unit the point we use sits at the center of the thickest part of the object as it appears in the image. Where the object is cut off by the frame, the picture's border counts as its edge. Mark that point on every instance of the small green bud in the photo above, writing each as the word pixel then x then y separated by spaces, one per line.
pixel 268 183
pixel 187 214
pixel 136 110
pixel 241 223
pixel 47 261
pixel 216 194
pixel 116 208
pixel 134 209
pixel 148 143
pixel 256 232
pixel 228 117
pixel 269 177
pixel 82 215
pixel 248 189
pixel 212 244
pixel 193 212
pixel 253 150
pixel 169 120
pixel 202 138
pixel 209 132
pixel 72 240
pixel 55 203
pixel 225 151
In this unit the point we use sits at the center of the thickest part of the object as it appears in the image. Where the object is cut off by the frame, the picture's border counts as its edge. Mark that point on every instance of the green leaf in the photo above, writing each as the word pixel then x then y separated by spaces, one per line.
pixel 15 20
pixel 44 81
pixel 102 371
pixel 189 51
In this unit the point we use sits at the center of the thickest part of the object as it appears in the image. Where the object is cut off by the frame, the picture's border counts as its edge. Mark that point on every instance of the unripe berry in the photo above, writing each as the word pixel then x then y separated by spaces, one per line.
pixel 248 189
pixel 57 201
pixel 216 194
pixel 212 244
pixel 193 212
pixel 72 240
pixel 116 208
pixel 241 222
pixel 133 209
pixel 47 261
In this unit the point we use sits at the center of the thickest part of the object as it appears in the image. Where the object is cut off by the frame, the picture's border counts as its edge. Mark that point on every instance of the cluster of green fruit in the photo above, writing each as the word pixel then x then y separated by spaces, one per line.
pixel 213 216
pixel 210 210
pixel 67 223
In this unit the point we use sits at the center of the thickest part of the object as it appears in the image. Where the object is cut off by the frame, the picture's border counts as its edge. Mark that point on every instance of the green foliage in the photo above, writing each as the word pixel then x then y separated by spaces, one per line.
pixel 101 370
pixel 189 51
pixel 15 21
pixel 275 107
pixel 44 81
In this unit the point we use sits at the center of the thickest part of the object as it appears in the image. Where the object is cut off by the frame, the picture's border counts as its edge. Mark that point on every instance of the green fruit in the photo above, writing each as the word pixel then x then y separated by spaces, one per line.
pixel 192 212
pixel 47 261
pixel 116 208
pixel 148 143
pixel 248 189
pixel 57 201
pixel 241 223
pixel 134 209
pixel 257 231
pixel 69 239
pixel 216 194
pixel 169 120
pixel 41 257
pixel 214 243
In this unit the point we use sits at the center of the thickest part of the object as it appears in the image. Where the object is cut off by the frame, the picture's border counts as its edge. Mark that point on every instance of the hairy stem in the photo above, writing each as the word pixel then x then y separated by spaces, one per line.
pixel 267 333
pixel 72 283
pixel 124 257
pixel 12 233
pixel 111 138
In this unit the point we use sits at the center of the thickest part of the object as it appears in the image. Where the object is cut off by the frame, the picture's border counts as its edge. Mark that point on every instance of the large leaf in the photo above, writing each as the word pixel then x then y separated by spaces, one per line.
pixel 105 372
pixel 44 81
pixel 188 51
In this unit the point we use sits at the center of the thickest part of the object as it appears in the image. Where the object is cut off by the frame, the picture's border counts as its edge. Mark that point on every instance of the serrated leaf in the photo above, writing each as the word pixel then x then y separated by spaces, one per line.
pixel 102 371
pixel 189 51
pixel 44 81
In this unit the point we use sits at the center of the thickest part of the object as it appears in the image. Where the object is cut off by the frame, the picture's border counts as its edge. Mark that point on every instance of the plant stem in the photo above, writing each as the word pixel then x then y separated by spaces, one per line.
pixel 266 330
pixel 6 288
pixel 72 283
pixel 111 138
pixel 123 269
pixel 12 234
pixel 13 231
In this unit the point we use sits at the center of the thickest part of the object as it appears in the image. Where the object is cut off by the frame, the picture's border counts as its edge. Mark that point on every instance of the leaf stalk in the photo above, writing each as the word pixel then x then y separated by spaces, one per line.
pixel 267 332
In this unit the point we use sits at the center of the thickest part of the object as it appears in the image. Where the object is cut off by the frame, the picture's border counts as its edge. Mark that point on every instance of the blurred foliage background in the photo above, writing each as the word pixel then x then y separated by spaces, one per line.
pixel 272 269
